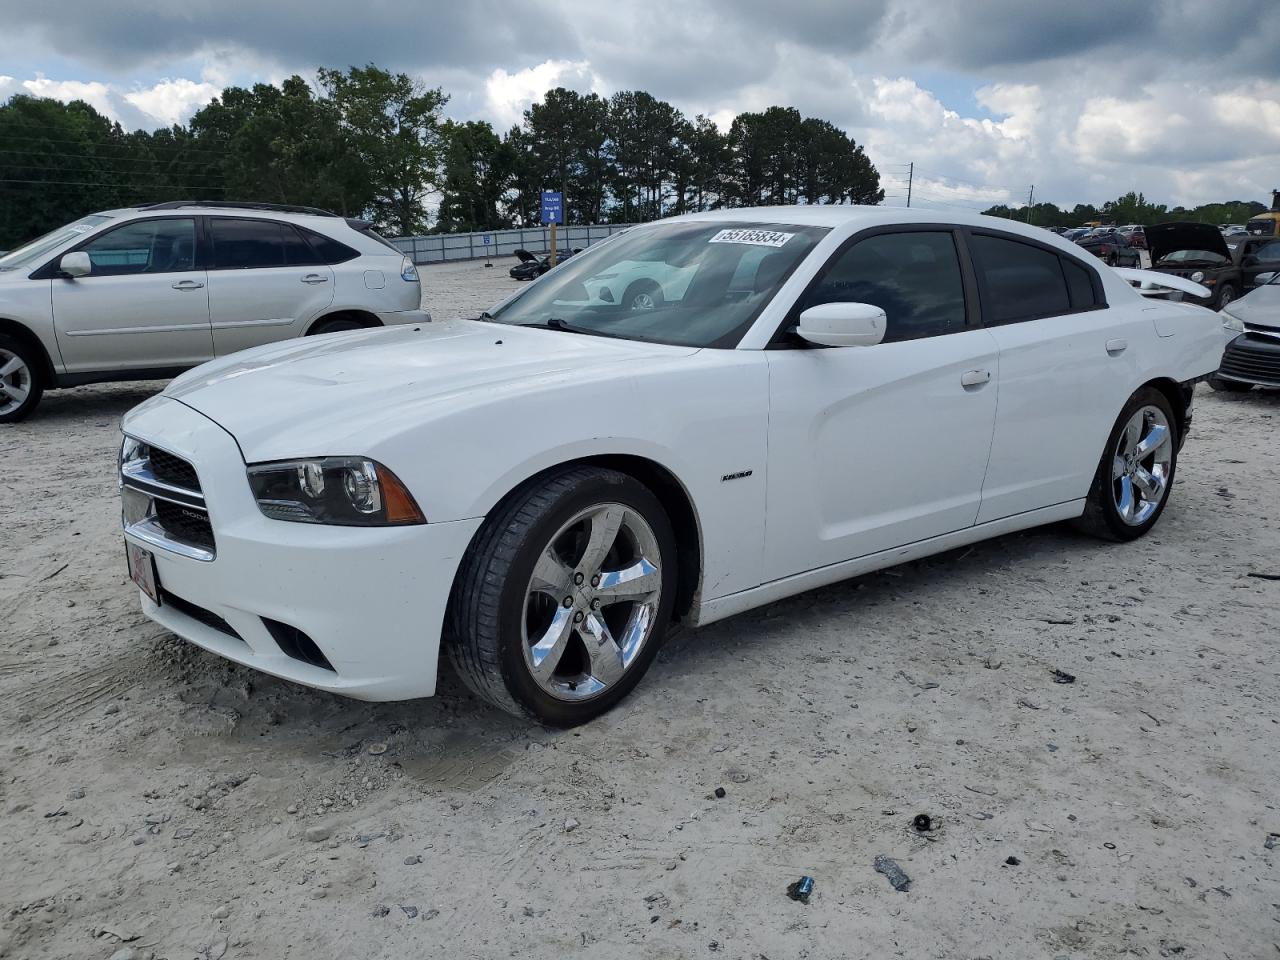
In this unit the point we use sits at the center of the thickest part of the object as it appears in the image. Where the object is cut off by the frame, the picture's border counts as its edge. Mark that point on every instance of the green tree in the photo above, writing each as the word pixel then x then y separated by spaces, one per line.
pixel 392 123
pixel 479 169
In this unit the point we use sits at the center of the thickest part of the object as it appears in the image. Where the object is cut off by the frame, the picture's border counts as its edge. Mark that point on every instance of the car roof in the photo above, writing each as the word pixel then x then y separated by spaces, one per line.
pixel 839 215
pixel 187 210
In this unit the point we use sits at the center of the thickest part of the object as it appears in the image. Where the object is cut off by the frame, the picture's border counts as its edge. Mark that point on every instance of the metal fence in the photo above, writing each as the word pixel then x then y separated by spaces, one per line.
pixel 438 247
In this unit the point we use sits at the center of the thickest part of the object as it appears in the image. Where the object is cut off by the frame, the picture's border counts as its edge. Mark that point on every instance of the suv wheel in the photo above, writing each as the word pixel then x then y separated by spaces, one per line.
pixel 335 325
pixel 21 380
pixel 1226 293
pixel 563 599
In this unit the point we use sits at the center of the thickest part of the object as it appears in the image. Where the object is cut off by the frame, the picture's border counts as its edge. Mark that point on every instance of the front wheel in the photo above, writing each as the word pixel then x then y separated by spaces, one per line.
pixel 21 382
pixel 1226 293
pixel 563 599
pixel 1135 475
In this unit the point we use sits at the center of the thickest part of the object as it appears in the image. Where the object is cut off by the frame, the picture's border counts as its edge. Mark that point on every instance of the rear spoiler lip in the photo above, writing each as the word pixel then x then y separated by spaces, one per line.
pixel 1151 283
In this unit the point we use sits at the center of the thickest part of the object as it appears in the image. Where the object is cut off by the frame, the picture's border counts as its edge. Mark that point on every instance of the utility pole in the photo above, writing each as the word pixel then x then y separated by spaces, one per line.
pixel 911 172
pixel 1030 197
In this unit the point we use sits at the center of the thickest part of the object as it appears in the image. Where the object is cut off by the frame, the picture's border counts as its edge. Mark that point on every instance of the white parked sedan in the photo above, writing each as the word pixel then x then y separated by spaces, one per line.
pixel 146 292
pixel 542 491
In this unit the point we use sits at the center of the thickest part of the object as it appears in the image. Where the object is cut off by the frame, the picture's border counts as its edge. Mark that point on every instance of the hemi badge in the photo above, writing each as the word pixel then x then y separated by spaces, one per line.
pixel 735 476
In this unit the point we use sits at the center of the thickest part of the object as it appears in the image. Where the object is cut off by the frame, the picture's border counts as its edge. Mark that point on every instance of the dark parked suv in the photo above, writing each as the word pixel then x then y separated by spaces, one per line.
pixel 1197 252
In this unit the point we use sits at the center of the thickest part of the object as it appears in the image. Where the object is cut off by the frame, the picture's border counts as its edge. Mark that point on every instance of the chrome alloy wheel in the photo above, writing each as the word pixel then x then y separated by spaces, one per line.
pixel 1140 465
pixel 592 601
pixel 15 381
pixel 642 302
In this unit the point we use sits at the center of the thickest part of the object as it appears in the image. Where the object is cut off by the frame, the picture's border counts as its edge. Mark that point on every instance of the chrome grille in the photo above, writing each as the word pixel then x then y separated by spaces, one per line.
pixel 162 503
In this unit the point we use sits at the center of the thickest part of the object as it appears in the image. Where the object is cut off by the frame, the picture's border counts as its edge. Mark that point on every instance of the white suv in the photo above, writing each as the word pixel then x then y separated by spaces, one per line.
pixel 146 292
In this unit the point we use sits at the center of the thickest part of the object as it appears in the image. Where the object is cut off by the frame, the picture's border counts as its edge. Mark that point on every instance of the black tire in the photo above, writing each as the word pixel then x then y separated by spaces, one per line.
pixel 1101 517
pixel 484 631
pixel 639 289
pixel 1226 293
pixel 30 378
pixel 1228 386
pixel 335 325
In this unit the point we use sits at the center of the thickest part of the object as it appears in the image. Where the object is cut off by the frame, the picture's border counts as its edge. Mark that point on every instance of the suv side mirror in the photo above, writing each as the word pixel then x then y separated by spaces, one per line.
pixel 75 264
pixel 843 324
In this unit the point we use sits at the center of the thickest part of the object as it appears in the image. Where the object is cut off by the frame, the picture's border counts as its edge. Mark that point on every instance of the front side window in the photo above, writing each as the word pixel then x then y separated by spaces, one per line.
pixel 145 246
pixel 1268 253
pixel 696 282
pixel 1019 281
pixel 913 277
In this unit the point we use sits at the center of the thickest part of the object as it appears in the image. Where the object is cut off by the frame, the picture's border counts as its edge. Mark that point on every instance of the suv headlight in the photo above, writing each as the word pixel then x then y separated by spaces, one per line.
pixel 1232 322
pixel 1197 276
pixel 408 272
pixel 344 491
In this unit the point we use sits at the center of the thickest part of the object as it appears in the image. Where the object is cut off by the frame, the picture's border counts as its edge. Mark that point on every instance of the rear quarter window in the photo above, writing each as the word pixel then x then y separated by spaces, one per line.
pixel 328 249
pixel 1018 281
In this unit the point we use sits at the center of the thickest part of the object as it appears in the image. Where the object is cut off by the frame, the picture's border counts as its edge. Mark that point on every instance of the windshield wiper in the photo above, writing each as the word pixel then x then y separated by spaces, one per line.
pixel 558 323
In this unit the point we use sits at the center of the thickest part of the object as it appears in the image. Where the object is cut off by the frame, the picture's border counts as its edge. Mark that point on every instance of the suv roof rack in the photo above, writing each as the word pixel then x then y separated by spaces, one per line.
pixel 239 205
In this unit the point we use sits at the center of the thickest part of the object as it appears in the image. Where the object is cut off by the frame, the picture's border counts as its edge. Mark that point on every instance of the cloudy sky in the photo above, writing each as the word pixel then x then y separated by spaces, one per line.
pixel 1085 99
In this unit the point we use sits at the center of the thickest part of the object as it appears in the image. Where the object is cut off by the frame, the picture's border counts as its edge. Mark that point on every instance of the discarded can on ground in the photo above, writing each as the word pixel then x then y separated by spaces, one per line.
pixel 922 822
pixel 896 876
pixel 801 889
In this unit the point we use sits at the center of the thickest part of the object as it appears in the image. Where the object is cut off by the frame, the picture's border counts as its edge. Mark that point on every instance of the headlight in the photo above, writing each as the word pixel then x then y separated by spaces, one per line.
pixel 1197 276
pixel 408 272
pixel 345 491
pixel 1232 323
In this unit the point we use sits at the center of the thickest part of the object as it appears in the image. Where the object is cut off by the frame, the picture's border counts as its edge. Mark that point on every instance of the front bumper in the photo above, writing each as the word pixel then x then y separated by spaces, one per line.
pixel 1252 358
pixel 372 600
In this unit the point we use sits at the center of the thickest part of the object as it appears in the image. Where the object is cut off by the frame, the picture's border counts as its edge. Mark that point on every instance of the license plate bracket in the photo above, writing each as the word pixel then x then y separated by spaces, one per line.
pixel 142 571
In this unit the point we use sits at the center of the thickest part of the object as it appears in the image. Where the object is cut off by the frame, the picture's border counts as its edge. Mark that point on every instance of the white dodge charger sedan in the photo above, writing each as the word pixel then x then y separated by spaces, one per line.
pixel 542 491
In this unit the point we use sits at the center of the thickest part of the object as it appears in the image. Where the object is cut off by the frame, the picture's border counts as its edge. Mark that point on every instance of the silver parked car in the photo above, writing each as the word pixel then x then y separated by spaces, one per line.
pixel 147 292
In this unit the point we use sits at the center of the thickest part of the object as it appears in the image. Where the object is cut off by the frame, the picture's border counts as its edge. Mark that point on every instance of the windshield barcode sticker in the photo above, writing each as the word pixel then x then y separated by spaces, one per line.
pixel 759 238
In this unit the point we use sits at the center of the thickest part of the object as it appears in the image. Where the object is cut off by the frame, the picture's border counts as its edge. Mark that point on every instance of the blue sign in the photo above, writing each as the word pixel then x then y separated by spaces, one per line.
pixel 487 239
pixel 552 206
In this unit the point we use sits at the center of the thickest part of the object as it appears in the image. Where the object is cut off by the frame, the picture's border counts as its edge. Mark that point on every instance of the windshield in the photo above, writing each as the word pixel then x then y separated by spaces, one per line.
pixel 26 254
pixel 694 283
pixel 1197 256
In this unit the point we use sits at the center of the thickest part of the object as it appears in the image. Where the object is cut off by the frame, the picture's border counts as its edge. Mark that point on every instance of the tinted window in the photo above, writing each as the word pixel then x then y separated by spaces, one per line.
pixel 913 277
pixel 297 251
pixel 1079 284
pixel 243 244
pixel 147 246
pixel 328 249
pixel 1021 281
pixel 1268 252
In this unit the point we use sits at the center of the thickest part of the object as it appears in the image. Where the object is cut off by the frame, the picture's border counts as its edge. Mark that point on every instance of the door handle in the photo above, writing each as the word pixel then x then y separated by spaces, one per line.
pixel 188 285
pixel 1117 347
pixel 975 378
pixel 315 278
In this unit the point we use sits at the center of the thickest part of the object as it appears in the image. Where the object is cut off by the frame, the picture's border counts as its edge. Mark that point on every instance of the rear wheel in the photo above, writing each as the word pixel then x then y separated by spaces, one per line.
pixel 1135 475
pixel 563 600
pixel 21 379
pixel 336 325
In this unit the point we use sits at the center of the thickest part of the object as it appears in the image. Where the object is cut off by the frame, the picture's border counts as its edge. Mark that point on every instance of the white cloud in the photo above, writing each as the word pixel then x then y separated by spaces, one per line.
pixel 172 101
pixel 508 94
pixel 96 94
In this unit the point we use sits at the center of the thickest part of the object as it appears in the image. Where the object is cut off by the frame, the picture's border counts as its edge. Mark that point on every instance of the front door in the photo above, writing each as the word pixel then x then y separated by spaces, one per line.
pixel 1260 256
pixel 876 447
pixel 144 305
pixel 266 283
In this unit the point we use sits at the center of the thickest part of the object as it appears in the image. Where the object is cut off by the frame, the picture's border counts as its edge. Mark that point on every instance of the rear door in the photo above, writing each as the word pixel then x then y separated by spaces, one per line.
pixel 1067 365
pixel 144 305
pixel 266 282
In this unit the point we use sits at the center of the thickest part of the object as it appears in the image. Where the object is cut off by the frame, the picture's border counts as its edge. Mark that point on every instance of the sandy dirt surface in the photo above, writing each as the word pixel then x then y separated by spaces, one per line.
pixel 160 801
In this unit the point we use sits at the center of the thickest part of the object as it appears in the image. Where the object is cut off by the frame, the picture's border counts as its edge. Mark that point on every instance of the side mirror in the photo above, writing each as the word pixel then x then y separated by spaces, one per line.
pixel 75 264
pixel 843 324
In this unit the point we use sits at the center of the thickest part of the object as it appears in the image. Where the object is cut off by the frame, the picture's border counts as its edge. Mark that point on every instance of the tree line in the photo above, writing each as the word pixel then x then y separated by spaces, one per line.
pixel 1130 208
pixel 366 142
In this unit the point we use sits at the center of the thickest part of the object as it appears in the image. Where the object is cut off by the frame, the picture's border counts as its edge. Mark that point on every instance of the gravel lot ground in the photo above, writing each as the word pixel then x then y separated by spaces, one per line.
pixel 160 800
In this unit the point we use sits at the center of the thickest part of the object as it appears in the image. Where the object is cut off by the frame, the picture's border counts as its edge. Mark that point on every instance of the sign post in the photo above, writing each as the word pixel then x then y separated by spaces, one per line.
pixel 552 210
pixel 487 239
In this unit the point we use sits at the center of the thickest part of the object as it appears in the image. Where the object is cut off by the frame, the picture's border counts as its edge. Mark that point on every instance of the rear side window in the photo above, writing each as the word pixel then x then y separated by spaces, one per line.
pixel 1079 285
pixel 914 277
pixel 328 249
pixel 1019 281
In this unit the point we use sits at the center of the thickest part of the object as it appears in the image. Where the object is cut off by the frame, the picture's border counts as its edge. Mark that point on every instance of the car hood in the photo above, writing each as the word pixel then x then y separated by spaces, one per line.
pixel 1260 307
pixel 1166 238
pixel 340 394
